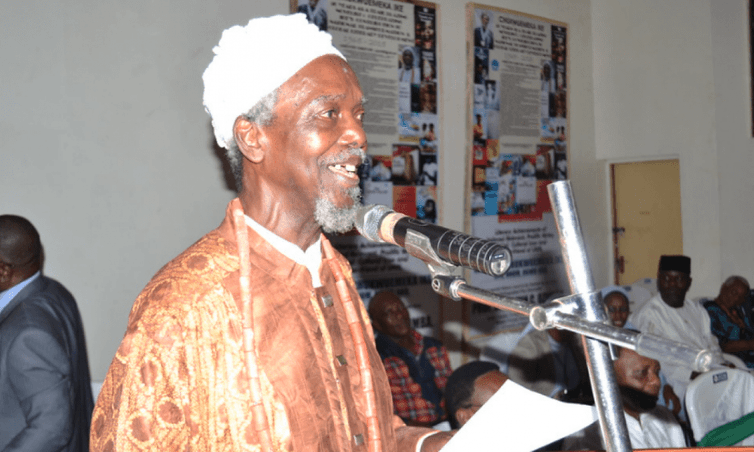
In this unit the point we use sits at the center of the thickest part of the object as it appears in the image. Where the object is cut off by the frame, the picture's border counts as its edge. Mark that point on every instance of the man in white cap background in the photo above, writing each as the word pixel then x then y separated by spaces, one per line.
pixel 671 315
pixel 255 337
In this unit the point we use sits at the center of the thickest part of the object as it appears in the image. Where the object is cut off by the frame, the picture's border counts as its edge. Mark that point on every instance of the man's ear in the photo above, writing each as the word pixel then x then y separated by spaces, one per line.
pixel 6 273
pixel 249 138
pixel 463 415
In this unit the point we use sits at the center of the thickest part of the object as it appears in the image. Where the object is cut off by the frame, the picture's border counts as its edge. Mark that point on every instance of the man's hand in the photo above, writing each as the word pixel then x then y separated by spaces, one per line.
pixel 436 442
pixel 671 398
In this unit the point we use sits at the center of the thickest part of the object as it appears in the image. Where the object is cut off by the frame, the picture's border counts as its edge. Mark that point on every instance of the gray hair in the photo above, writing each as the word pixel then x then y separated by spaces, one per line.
pixel 735 279
pixel 262 114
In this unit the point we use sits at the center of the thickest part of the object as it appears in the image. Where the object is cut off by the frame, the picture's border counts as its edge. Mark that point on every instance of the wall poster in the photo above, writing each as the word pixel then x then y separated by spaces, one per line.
pixel 517 144
pixel 393 48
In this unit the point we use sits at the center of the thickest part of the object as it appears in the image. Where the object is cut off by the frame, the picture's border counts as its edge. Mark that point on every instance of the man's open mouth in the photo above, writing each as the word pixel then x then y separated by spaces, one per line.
pixel 344 170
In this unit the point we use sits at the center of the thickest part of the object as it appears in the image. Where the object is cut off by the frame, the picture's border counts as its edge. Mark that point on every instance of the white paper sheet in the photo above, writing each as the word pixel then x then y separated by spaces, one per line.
pixel 517 419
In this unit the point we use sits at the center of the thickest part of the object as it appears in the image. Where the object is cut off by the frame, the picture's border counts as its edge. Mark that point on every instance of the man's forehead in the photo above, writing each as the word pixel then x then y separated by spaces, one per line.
pixel 327 79
pixel 740 285
pixel 637 361
pixel 487 384
pixel 326 98
pixel 390 302
pixel 393 303
pixel 616 296
pixel 675 273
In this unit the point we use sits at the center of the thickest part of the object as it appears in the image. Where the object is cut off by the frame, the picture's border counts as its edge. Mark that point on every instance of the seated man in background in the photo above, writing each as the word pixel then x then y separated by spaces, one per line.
pixel 649 425
pixel 729 322
pixel 616 302
pixel 670 315
pixel 45 388
pixel 469 387
pixel 418 367
pixel 472 385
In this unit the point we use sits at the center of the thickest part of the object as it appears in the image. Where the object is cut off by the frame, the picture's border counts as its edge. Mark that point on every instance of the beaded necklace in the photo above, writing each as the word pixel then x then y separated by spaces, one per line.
pixel 362 357
pixel 261 424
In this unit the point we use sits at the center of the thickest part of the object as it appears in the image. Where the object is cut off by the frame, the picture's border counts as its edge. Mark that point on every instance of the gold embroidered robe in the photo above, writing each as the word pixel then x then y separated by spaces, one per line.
pixel 178 380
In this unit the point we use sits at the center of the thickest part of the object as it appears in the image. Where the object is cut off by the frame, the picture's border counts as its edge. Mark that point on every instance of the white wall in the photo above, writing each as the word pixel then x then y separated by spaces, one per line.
pixel 654 95
pixel 107 149
pixel 734 144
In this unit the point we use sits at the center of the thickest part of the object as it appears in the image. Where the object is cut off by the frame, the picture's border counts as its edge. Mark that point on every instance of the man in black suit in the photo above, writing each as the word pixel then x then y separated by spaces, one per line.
pixel 45 388
pixel 483 35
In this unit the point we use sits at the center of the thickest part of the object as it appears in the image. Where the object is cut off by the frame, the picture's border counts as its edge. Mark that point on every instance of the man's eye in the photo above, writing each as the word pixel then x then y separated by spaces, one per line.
pixel 330 114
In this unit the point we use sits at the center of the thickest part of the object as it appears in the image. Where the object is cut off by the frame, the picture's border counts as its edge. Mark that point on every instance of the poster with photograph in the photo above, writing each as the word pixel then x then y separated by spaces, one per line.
pixel 517 145
pixel 392 47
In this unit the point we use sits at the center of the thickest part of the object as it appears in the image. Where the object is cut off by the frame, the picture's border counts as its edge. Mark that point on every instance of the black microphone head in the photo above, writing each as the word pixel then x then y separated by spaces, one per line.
pixel 368 219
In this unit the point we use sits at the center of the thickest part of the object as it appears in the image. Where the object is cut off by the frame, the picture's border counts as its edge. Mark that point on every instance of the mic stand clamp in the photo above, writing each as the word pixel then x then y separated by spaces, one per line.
pixel 446 279
pixel 544 316
pixel 420 246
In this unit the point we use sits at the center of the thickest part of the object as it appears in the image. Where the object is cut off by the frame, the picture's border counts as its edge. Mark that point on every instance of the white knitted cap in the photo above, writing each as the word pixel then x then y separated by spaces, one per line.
pixel 251 61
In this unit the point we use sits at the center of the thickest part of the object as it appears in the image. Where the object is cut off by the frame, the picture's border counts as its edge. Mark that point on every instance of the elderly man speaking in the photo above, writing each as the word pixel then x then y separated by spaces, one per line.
pixel 255 338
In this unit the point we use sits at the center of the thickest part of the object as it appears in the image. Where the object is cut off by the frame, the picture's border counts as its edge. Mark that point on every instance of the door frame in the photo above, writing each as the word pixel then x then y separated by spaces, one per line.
pixel 609 198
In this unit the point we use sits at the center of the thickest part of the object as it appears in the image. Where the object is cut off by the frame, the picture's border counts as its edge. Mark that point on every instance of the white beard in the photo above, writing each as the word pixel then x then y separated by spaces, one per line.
pixel 334 219
pixel 337 220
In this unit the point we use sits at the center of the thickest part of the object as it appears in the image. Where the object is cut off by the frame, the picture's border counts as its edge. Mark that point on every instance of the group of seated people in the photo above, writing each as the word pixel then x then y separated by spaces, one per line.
pixel 426 391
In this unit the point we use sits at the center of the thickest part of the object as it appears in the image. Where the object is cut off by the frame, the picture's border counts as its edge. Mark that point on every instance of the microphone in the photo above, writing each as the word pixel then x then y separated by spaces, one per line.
pixel 431 243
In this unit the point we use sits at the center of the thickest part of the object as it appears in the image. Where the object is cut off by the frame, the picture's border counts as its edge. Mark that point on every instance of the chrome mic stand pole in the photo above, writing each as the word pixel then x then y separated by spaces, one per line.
pixel 601 374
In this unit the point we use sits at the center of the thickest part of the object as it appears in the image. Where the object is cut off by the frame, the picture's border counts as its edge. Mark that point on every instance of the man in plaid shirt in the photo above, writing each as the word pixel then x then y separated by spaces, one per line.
pixel 417 367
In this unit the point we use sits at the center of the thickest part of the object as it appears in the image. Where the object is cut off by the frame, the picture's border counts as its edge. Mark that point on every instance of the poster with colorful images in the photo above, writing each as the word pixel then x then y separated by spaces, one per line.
pixel 517 72
pixel 392 47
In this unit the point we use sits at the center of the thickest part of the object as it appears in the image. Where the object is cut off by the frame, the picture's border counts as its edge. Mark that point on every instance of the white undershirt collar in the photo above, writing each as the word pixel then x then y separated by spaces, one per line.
pixel 311 258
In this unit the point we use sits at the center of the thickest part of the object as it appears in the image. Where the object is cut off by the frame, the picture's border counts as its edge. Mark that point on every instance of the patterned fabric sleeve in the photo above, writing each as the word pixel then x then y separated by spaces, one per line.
pixel 148 408
pixel 438 356
pixel 721 326
pixel 407 394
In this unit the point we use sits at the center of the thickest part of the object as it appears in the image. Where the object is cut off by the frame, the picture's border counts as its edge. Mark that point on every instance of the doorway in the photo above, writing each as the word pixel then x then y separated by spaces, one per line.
pixel 646 202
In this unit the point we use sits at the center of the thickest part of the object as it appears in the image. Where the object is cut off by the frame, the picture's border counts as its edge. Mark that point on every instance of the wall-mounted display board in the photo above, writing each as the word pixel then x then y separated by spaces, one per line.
pixel 517 143
pixel 393 47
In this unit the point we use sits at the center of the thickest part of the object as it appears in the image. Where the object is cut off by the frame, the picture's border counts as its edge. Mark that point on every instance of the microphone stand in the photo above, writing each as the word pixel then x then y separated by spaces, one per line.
pixel 582 313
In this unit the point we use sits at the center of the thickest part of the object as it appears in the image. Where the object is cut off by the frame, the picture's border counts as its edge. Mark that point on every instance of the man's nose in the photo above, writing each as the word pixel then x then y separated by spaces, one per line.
pixel 353 134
